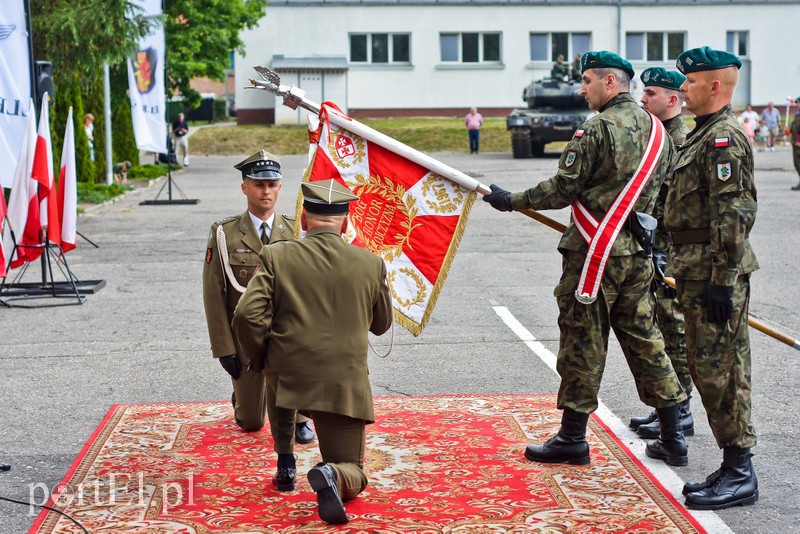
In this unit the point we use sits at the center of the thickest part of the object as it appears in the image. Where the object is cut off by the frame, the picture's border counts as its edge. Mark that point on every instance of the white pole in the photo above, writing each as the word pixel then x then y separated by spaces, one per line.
pixel 107 122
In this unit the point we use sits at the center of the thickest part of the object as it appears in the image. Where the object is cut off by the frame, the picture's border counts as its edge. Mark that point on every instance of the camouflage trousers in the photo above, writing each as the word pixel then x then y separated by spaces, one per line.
pixel 669 317
pixel 625 304
pixel 719 361
pixel 796 157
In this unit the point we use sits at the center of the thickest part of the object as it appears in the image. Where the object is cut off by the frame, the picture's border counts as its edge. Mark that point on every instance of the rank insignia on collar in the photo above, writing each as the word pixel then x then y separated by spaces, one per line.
pixel 579 134
pixel 724 171
pixel 720 142
pixel 209 254
pixel 570 159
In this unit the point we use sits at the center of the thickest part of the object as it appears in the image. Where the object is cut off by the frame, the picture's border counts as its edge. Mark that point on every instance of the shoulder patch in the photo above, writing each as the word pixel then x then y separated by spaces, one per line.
pixel 209 254
pixel 721 142
pixel 724 171
pixel 570 159
pixel 579 133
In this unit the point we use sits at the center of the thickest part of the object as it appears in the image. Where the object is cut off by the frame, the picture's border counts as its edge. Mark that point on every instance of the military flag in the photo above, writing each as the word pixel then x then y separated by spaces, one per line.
pixel 407 214
pixel 146 82
pixel 68 189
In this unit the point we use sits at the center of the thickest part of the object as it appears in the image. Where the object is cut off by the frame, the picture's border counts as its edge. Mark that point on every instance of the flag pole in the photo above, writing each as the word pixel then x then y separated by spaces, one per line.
pixel 294 97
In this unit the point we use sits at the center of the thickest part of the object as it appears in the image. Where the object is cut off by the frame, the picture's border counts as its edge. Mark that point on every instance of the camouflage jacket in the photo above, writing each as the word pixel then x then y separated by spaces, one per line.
pixel 676 129
pixel 712 190
pixel 601 158
pixel 795 129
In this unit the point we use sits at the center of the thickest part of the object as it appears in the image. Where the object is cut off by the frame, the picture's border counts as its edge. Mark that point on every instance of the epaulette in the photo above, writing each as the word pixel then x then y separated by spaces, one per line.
pixel 225 220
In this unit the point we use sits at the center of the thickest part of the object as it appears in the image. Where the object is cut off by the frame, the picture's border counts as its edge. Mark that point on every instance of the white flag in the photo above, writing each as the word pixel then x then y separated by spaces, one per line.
pixel 68 189
pixel 15 86
pixel 146 81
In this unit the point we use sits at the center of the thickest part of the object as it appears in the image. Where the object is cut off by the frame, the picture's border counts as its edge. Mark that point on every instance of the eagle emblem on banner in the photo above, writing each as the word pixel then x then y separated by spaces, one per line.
pixel 144 69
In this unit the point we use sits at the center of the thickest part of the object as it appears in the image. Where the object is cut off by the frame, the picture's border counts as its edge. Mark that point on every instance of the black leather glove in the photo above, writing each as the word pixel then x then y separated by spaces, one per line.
pixel 718 301
pixel 660 265
pixel 499 198
pixel 232 364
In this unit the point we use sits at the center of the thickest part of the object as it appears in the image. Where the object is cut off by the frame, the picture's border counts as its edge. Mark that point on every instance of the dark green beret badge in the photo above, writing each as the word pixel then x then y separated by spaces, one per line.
pixel 705 58
pixel 668 79
pixel 603 59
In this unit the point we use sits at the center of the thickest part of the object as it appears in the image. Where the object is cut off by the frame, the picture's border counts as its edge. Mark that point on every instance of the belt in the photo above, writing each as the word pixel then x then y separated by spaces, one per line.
pixel 685 237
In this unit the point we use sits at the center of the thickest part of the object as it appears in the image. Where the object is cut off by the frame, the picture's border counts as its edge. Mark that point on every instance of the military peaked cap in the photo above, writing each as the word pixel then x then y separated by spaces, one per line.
pixel 668 79
pixel 705 58
pixel 326 197
pixel 261 166
pixel 605 60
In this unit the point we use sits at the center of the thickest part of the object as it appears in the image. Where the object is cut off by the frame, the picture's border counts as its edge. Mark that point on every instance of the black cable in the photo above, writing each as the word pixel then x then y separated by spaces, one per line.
pixel 48 508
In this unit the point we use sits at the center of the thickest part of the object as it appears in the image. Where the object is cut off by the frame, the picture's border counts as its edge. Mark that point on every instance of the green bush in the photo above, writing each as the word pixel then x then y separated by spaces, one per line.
pixel 90 193
pixel 150 171
pixel 219 110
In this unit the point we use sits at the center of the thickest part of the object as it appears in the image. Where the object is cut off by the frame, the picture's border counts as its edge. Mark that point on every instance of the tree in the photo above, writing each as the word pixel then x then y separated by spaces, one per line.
pixel 123 142
pixel 200 37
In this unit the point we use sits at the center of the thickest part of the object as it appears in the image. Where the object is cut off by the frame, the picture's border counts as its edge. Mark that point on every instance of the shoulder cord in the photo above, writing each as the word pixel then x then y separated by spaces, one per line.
pixel 222 245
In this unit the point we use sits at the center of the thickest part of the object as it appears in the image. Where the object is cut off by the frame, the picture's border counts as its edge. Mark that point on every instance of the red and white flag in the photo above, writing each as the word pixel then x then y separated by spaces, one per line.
pixel 3 211
pixel 23 203
pixel 68 189
pixel 43 173
pixel 407 214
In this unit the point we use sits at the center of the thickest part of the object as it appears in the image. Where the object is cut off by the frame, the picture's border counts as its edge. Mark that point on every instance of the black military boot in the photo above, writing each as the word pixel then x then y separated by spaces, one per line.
pixel 636 422
pixel 670 447
pixel 736 484
pixel 653 430
pixel 569 446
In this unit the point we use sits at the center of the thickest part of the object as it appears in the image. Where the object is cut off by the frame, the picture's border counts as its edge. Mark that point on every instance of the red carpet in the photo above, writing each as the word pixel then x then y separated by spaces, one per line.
pixel 435 464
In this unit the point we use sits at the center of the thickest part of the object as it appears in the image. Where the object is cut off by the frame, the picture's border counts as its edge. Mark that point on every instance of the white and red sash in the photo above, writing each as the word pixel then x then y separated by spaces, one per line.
pixel 600 235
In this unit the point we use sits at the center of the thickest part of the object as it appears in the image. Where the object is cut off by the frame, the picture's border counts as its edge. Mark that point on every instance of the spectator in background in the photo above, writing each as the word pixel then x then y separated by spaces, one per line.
pixel 88 126
pixel 120 171
pixel 576 68
pixel 761 136
pixel 560 68
pixel 752 115
pixel 180 132
pixel 749 128
pixel 473 121
pixel 772 117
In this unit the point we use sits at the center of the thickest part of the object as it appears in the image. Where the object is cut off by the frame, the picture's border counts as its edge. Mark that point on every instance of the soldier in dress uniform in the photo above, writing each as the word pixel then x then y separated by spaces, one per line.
pixel 597 164
pixel 231 260
pixel 709 212
pixel 314 302
pixel 663 98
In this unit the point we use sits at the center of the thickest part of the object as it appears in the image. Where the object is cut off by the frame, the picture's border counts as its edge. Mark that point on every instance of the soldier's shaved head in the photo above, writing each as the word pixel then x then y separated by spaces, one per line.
pixel 709 91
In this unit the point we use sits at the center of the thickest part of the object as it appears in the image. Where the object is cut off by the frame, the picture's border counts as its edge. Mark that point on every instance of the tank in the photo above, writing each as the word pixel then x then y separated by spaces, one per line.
pixel 554 111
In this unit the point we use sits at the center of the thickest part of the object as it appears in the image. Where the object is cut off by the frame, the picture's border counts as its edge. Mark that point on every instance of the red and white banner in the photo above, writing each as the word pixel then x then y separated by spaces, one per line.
pixel 43 173
pixel 23 204
pixel 3 212
pixel 15 86
pixel 68 189
pixel 408 215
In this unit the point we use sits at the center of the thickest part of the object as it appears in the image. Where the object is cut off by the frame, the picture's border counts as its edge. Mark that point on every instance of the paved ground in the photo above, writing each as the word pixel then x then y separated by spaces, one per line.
pixel 143 338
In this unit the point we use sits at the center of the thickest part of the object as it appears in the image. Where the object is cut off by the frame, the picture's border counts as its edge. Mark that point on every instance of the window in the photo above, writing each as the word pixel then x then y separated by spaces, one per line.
pixel 736 43
pixel 548 46
pixel 654 46
pixel 472 47
pixel 380 48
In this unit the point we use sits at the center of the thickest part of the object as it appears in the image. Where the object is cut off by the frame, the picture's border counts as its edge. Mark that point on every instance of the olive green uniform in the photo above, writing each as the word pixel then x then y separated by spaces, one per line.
pixel 594 167
pixel 254 400
pixel 710 209
pixel 314 301
pixel 668 311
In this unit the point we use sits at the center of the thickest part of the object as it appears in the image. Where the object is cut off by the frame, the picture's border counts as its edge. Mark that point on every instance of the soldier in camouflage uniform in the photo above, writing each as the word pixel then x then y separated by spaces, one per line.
pixel 795 140
pixel 596 165
pixel 227 270
pixel 663 98
pixel 710 209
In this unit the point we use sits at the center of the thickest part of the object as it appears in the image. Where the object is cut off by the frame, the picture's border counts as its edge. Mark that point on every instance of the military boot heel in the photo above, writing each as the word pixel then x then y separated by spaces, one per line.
pixel 736 484
pixel 653 430
pixel 670 447
pixel 569 446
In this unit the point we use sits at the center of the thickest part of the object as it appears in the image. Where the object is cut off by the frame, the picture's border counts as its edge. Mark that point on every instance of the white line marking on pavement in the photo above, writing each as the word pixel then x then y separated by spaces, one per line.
pixel 665 475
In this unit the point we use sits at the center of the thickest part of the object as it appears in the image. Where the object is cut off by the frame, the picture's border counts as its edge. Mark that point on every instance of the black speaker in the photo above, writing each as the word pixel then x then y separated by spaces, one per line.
pixel 44 80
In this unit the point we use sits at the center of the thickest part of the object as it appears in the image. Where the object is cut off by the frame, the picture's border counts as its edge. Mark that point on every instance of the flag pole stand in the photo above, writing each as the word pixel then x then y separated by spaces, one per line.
pixel 71 292
pixel 169 184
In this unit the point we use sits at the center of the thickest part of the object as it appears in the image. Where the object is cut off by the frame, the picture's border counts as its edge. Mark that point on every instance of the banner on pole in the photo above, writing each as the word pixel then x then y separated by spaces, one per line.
pixel 408 215
pixel 146 83
pixel 15 86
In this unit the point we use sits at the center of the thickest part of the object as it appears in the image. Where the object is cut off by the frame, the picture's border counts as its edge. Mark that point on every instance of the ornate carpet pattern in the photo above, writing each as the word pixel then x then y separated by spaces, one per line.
pixel 435 464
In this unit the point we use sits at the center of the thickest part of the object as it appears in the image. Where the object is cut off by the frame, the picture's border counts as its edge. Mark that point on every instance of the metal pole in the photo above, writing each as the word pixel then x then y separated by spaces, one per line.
pixel 107 122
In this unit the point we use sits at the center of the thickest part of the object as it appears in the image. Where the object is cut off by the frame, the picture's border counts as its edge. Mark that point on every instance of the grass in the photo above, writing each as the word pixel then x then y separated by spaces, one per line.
pixel 424 134
pixel 99 193
pixel 149 171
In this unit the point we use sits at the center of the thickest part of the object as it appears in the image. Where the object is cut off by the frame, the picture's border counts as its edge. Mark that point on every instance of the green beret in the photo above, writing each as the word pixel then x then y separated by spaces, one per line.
pixel 705 58
pixel 326 197
pixel 668 79
pixel 605 60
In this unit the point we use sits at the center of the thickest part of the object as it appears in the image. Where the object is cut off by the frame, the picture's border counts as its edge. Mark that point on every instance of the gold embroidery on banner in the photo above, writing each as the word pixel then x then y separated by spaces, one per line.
pixel 344 144
pixel 422 293
pixel 436 186
pixel 374 217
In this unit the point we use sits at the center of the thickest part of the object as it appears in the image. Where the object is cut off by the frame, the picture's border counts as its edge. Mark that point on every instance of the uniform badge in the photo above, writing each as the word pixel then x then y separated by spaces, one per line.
pixel 579 133
pixel 242 273
pixel 724 171
pixel 209 254
pixel 721 142
pixel 570 159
